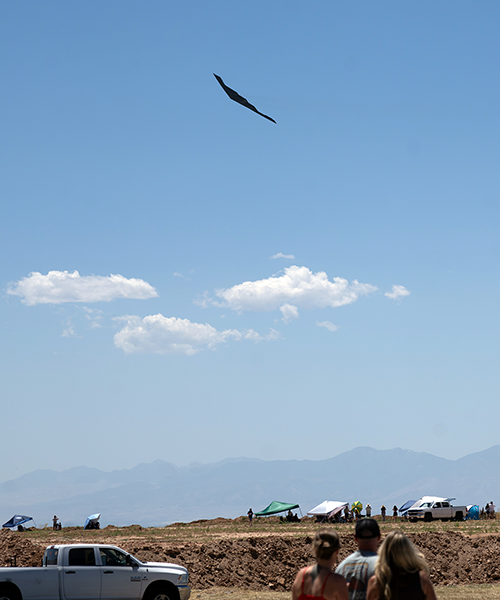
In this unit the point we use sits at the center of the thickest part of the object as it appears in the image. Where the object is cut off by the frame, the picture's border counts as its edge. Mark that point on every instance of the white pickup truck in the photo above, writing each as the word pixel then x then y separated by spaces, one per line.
pixel 429 508
pixel 91 572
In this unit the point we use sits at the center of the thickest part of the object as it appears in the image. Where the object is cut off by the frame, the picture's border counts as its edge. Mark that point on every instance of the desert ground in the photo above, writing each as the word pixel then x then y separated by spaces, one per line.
pixel 229 558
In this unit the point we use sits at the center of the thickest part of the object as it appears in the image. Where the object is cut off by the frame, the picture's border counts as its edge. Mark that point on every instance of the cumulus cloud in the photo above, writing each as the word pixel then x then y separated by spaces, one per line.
pixel 281 255
pixel 327 325
pixel 298 287
pixel 156 334
pixel 397 292
pixel 61 286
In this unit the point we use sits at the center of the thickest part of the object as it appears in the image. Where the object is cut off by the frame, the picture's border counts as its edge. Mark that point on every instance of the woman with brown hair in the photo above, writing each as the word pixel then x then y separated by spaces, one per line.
pixel 401 573
pixel 319 582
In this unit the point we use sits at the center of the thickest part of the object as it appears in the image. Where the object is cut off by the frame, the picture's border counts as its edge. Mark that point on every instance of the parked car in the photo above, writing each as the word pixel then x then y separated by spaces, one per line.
pixel 91 572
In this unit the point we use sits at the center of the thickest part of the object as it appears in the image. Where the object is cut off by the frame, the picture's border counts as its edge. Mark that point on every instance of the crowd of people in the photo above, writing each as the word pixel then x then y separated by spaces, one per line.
pixel 395 571
pixel 290 517
pixel 348 515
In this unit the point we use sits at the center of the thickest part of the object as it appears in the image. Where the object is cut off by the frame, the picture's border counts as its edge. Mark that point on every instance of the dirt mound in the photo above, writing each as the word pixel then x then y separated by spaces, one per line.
pixel 271 562
pixel 18 550
pixel 457 559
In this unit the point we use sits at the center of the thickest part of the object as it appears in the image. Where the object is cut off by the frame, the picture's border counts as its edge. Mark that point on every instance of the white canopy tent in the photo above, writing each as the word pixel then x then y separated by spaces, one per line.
pixel 328 508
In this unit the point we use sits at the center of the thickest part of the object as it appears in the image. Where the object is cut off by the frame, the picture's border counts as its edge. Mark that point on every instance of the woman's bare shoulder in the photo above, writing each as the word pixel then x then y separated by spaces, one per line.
pixel 427 587
pixel 372 591
pixel 336 588
pixel 297 584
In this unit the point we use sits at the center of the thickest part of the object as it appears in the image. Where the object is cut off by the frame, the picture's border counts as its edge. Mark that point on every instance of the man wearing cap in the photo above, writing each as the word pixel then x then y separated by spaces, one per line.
pixel 358 567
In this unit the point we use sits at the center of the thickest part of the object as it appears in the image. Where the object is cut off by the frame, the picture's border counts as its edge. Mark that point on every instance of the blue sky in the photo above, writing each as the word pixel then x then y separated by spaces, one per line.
pixel 185 280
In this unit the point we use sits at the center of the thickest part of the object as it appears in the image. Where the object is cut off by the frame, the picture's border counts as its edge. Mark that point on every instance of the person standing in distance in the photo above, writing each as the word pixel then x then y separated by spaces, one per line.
pixel 358 567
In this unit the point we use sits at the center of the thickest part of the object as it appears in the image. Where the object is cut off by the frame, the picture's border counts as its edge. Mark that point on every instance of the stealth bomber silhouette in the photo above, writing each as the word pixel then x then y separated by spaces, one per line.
pixel 239 99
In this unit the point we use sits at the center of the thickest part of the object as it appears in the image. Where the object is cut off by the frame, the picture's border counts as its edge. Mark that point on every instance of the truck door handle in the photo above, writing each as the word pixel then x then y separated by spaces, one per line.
pixel 70 572
pixel 107 572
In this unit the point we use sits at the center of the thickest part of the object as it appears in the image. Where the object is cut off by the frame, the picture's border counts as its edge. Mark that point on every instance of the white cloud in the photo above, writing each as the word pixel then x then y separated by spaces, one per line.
pixel 68 331
pixel 289 312
pixel 281 255
pixel 327 325
pixel 204 301
pixel 61 286
pixel 94 315
pixel 156 334
pixel 397 292
pixel 298 287
pixel 181 276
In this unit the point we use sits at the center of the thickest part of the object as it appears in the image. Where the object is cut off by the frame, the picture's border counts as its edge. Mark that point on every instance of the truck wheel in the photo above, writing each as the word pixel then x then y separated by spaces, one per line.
pixel 428 517
pixel 413 520
pixel 9 593
pixel 159 595
pixel 161 592
pixel 459 516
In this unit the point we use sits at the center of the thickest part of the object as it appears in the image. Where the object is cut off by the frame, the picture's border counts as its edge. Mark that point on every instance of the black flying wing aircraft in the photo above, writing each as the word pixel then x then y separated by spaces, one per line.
pixel 239 99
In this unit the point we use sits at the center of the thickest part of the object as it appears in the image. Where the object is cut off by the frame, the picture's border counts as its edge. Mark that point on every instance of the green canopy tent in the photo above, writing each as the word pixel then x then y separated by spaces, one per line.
pixel 276 507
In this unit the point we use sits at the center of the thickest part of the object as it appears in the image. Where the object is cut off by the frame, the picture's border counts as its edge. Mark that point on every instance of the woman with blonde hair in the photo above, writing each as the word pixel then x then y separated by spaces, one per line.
pixel 401 572
pixel 319 582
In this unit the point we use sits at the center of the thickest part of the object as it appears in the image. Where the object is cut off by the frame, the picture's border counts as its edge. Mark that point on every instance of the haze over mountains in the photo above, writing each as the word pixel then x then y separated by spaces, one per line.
pixel 159 493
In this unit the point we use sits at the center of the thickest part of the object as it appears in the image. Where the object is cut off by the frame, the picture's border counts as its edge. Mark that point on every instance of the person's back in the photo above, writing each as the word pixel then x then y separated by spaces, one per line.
pixel 357 570
pixel 407 586
pixel 401 573
pixel 319 582
pixel 358 567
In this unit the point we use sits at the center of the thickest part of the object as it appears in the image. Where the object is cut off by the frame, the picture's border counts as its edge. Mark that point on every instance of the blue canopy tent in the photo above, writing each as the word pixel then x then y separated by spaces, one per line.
pixel 403 509
pixel 472 513
pixel 17 520
pixel 92 522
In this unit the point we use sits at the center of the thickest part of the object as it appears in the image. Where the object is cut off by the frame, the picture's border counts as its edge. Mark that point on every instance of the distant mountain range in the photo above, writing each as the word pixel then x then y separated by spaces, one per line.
pixel 159 493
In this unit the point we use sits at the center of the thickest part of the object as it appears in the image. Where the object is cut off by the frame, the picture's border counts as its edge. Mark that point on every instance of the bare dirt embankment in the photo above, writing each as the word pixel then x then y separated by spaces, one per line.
pixel 258 560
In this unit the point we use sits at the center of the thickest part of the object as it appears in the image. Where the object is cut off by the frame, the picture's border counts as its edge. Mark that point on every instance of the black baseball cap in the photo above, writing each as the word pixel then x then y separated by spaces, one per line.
pixel 367 529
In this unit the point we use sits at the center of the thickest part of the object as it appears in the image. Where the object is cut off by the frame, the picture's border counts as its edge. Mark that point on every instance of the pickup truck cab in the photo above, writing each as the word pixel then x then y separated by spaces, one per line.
pixel 429 508
pixel 94 572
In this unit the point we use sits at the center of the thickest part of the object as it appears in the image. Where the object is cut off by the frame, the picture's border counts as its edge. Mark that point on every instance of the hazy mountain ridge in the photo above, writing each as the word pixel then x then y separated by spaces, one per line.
pixel 159 492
